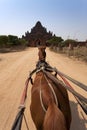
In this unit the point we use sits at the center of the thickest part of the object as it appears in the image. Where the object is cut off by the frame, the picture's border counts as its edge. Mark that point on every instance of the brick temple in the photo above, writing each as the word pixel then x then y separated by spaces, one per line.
pixel 37 35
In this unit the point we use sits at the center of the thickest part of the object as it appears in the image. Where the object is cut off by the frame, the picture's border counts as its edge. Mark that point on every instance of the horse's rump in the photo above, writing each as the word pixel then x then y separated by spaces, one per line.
pixel 60 113
pixel 54 119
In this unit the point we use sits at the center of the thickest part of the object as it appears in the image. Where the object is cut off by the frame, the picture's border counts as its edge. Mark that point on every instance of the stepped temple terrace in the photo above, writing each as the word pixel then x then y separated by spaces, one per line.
pixel 38 33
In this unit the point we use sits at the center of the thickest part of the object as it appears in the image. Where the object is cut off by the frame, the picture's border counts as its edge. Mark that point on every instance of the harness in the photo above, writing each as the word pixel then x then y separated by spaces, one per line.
pixel 53 92
pixel 46 69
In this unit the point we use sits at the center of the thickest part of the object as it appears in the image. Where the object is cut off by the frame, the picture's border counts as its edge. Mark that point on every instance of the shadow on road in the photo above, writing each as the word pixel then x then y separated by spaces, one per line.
pixel 78 120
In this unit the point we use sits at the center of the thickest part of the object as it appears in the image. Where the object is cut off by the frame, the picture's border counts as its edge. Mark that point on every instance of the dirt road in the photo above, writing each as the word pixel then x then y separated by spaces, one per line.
pixel 14 70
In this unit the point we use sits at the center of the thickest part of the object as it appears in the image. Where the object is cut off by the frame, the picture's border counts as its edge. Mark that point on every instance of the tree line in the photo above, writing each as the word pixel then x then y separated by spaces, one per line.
pixel 60 43
pixel 11 40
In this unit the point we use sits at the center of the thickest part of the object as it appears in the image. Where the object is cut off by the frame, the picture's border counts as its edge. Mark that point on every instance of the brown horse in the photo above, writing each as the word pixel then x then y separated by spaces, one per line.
pixel 50 109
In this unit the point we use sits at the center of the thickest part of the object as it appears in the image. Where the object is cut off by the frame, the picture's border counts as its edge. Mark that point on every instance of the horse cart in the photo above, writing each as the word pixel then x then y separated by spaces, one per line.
pixel 50 108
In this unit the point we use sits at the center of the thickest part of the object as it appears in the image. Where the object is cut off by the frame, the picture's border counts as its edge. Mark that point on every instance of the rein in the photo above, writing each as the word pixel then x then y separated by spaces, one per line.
pixel 44 109
pixel 53 92
pixel 55 97
pixel 79 84
pixel 46 69
pixel 18 120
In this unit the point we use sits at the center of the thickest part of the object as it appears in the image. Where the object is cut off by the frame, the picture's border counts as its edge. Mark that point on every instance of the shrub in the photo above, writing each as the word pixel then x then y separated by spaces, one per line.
pixel 3 40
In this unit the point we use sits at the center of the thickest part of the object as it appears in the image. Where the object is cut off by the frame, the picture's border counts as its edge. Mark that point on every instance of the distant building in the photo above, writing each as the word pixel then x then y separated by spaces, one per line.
pixel 38 35
pixel 82 43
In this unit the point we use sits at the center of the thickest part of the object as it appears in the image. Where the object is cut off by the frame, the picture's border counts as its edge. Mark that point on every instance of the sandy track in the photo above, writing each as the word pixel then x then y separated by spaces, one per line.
pixel 14 69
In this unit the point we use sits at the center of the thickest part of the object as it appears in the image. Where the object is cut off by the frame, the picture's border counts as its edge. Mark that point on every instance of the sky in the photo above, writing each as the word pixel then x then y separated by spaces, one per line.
pixel 65 18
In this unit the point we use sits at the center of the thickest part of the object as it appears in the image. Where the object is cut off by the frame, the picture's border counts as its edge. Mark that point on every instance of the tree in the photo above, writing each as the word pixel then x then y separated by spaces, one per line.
pixel 3 41
pixel 70 41
pixel 23 42
pixel 55 41
pixel 13 40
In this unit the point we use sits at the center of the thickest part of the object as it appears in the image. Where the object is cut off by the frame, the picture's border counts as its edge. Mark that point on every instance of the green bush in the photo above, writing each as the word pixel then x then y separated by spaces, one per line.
pixel 13 40
pixel 23 42
pixel 3 40
pixel 55 41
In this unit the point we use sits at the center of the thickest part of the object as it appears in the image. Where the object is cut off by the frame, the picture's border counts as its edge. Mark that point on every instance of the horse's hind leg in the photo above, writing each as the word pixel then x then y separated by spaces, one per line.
pixel 39 128
pixel 37 112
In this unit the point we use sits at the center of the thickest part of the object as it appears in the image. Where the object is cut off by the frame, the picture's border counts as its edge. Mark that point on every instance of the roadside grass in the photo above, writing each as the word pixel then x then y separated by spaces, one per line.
pixel 79 53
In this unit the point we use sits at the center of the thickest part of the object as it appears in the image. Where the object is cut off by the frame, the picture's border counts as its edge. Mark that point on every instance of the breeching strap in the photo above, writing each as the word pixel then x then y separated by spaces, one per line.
pixel 78 96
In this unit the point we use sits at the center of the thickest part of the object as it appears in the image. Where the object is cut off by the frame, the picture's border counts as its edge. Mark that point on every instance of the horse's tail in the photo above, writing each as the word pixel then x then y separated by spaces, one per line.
pixel 54 118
